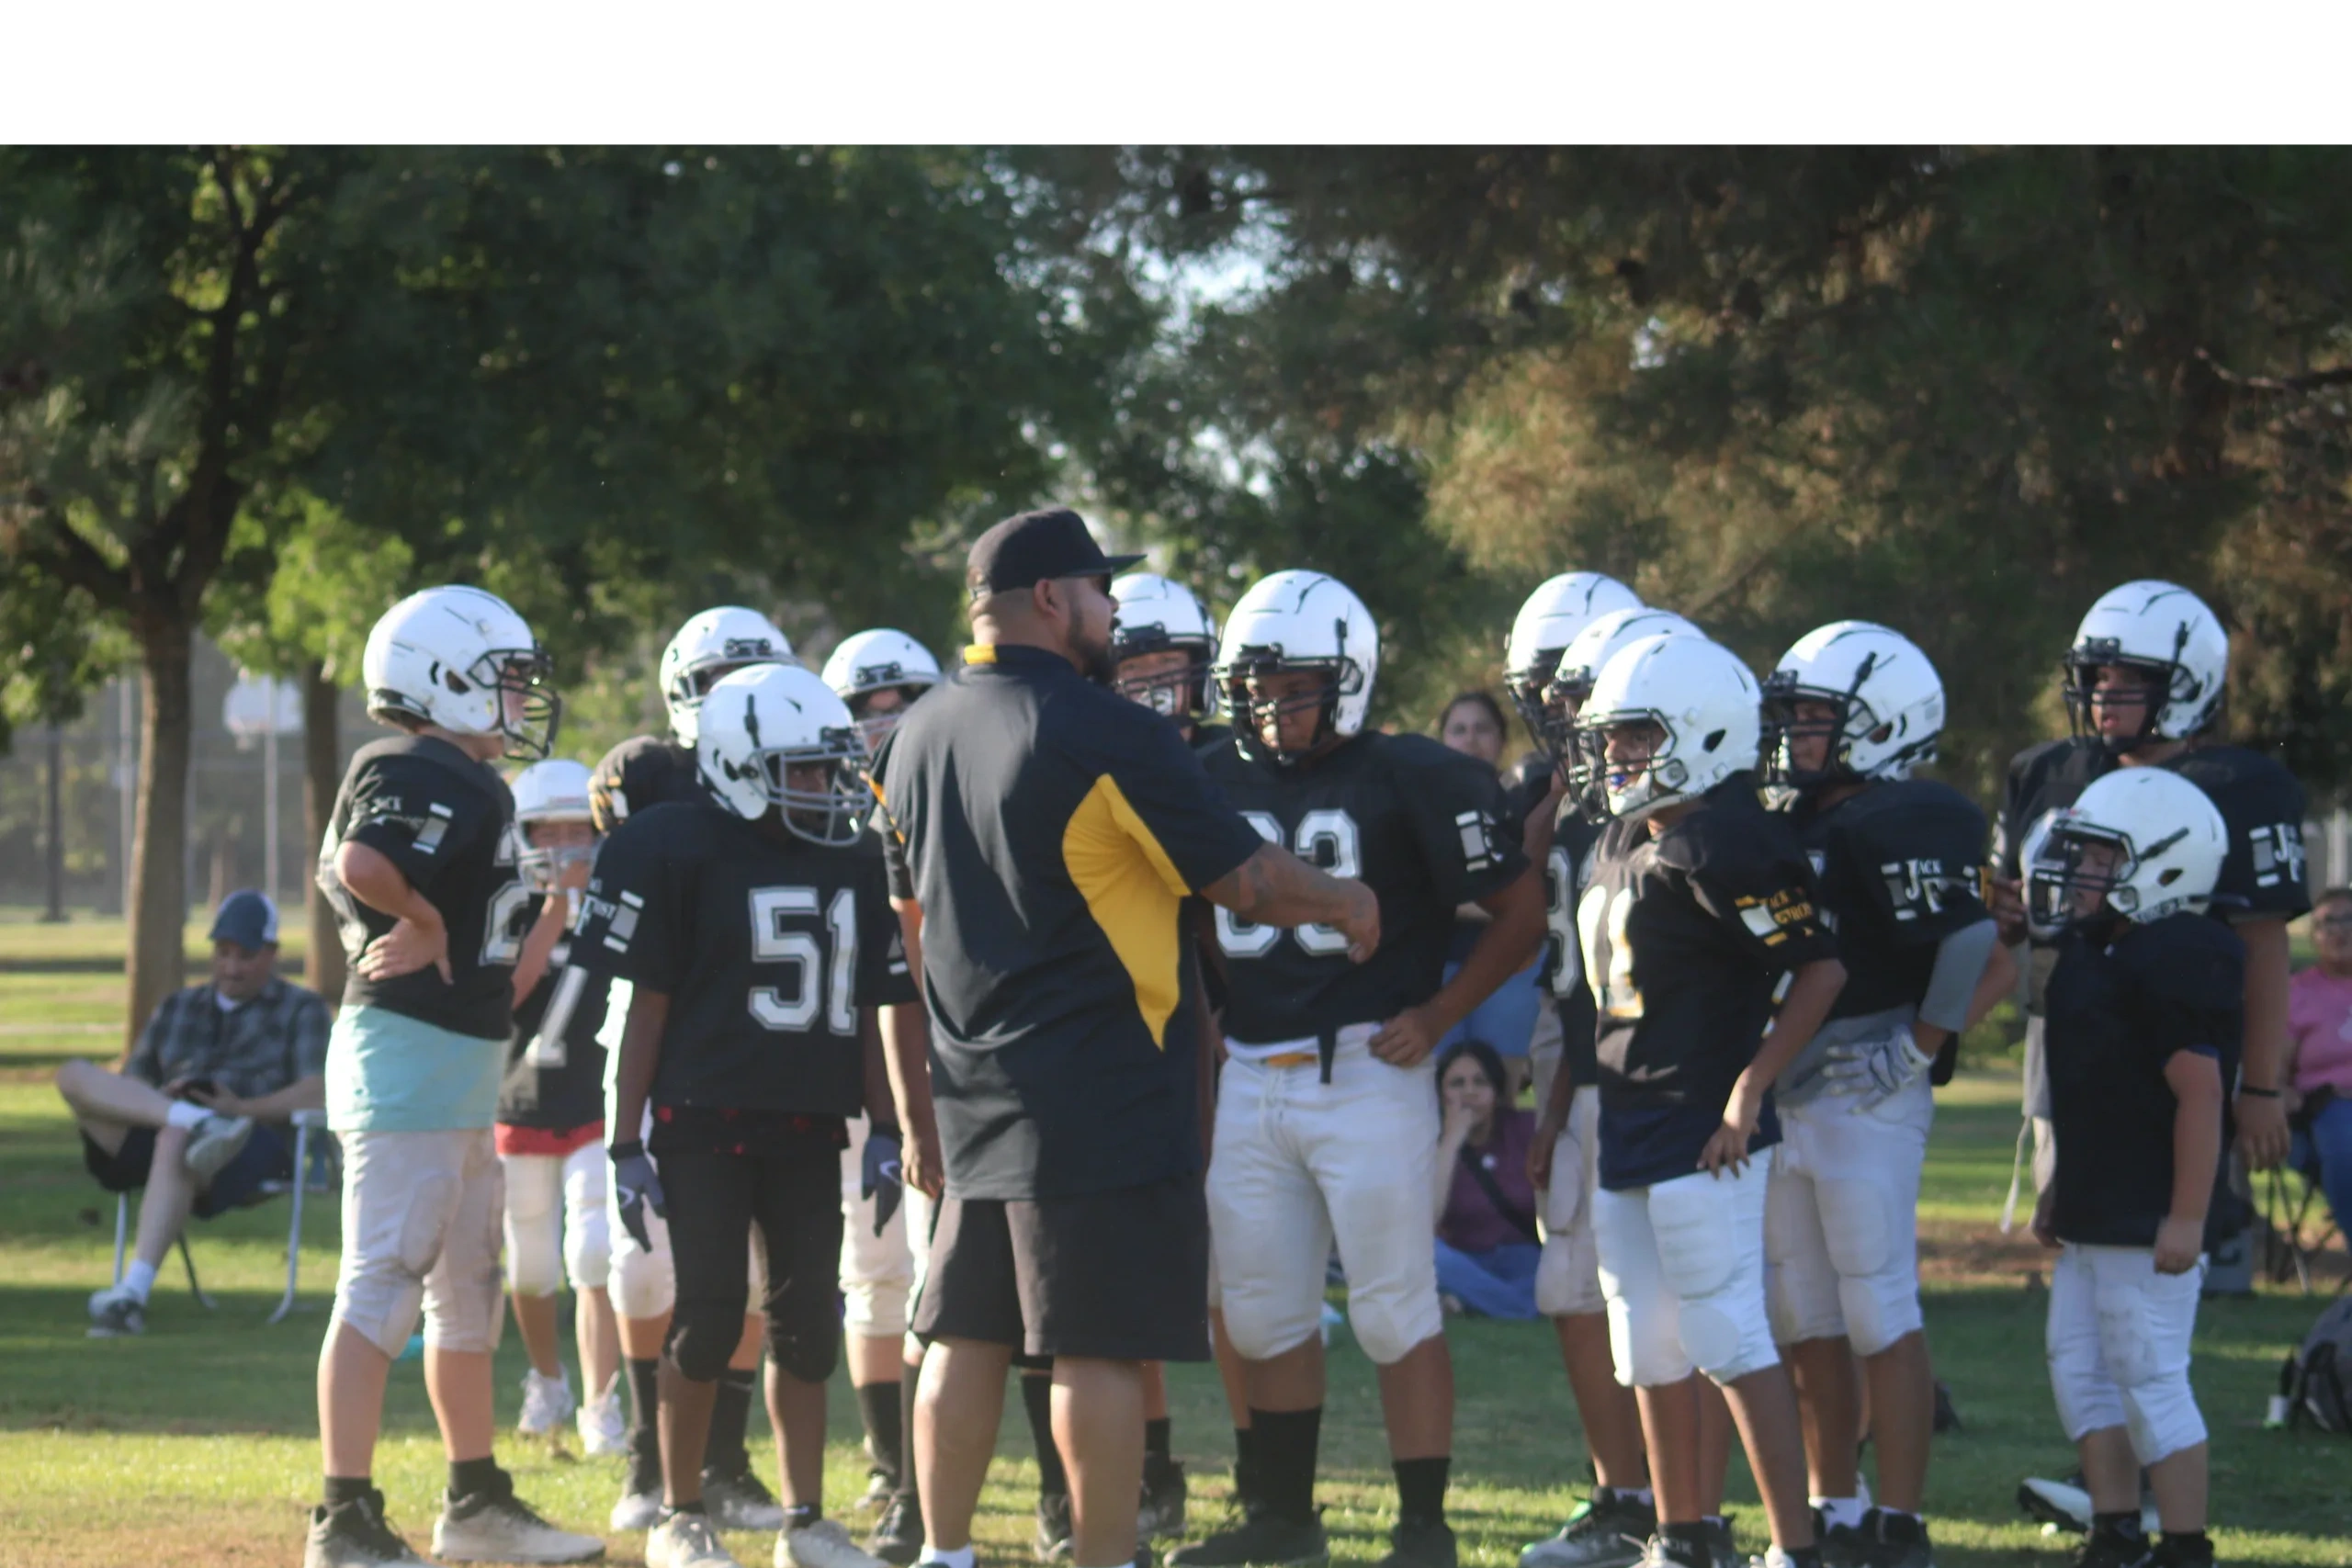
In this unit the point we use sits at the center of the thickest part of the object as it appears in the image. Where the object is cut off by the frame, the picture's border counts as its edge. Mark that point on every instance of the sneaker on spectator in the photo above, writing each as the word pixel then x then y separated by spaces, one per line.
pixel 686 1540
pixel 495 1527
pixel 1053 1527
pixel 1607 1530
pixel 897 1531
pixel 604 1429
pixel 354 1535
pixel 116 1312
pixel 1263 1539
pixel 637 1511
pixel 547 1402
pixel 740 1502
pixel 215 1141
pixel 1165 1494
pixel 822 1543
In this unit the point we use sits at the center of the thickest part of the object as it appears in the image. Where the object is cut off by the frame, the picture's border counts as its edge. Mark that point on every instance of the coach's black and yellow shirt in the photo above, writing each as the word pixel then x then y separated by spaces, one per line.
pixel 1051 830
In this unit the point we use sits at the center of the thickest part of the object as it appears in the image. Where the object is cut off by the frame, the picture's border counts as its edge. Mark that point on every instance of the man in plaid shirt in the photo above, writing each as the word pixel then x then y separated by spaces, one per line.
pixel 198 1112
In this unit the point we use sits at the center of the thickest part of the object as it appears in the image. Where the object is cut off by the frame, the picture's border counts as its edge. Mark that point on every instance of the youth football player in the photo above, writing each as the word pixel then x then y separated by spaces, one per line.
pixel 636 775
pixel 1608 1528
pixel 1851 710
pixel 1700 903
pixel 419 863
pixel 879 674
pixel 2143 1007
pixel 759 942
pixel 1327 1116
pixel 551 1128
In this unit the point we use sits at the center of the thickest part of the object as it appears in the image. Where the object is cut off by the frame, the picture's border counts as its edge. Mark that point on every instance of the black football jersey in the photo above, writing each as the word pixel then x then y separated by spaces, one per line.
pixel 1898 867
pixel 555 1064
pixel 2120 1006
pixel 1686 937
pixel 2261 806
pixel 1426 828
pixel 639 774
pixel 766 948
pixel 447 822
pixel 1567 870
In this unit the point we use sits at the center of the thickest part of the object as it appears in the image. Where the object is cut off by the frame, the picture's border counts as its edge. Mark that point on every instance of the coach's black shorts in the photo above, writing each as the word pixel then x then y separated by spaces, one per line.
pixel 1120 1276
pixel 264 1158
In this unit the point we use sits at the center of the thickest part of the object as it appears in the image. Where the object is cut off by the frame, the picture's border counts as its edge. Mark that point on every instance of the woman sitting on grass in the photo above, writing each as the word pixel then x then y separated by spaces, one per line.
pixel 1486 1241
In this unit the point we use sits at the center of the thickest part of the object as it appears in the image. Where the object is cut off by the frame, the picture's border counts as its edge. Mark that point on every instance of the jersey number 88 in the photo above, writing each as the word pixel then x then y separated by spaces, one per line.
pixel 1326 838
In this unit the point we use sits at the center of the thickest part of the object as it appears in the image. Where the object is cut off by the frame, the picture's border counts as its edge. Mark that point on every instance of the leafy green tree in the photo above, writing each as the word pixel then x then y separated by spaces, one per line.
pixel 1963 390
pixel 593 380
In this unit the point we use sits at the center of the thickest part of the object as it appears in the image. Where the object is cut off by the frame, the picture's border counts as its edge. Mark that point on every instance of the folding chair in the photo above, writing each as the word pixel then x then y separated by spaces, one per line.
pixel 2286 1212
pixel 305 1124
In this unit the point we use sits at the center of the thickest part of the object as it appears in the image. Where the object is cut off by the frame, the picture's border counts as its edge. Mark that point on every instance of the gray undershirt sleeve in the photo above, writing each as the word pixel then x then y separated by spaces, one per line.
pixel 1959 964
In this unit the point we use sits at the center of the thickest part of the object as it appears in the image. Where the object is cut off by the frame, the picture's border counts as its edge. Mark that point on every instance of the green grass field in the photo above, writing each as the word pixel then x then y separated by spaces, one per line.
pixel 196 1444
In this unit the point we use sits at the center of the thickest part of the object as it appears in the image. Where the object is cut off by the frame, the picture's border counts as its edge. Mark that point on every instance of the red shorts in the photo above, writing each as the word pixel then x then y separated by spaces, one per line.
pixel 555 1141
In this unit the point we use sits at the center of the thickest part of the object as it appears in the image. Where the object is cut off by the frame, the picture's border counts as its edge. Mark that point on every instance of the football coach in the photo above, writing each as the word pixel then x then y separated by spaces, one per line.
pixel 1045 837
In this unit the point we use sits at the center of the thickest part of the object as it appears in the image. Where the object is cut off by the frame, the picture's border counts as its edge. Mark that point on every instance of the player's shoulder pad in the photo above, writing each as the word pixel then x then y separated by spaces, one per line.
pixel 423 761
pixel 667 830
pixel 1420 756
pixel 2250 787
pixel 1734 831
pixel 2187 961
pixel 2048 760
pixel 1919 816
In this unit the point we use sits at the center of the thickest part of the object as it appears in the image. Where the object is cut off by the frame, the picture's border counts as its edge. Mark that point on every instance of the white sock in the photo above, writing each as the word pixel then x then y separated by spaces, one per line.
pixel 962 1557
pixel 1837 1511
pixel 139 1279
pixel 186 1114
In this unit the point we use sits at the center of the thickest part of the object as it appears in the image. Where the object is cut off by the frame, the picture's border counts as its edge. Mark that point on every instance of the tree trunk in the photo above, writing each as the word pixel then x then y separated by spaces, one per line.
pixel 322 776
pixel 53 848
pixel 158 857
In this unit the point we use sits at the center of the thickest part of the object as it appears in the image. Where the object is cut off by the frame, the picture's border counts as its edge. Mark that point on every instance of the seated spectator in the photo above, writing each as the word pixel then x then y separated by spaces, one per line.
pixel 194 1117
pixel 2319 1017
pixel 1488 1246
pixel 1471 724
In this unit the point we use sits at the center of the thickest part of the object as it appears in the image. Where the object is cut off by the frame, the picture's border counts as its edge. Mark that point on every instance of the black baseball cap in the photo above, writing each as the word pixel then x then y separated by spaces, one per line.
pixel 1034 546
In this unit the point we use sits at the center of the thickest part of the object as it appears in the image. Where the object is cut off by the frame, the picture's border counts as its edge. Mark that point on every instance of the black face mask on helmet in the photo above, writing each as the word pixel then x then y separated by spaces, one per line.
pixel 1254 715
pixel 2083 698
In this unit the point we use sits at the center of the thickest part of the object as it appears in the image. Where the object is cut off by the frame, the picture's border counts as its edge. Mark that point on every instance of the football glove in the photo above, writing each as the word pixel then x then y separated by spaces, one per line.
pixel 636 1187
pixel 1875 1069
pixel 882 1176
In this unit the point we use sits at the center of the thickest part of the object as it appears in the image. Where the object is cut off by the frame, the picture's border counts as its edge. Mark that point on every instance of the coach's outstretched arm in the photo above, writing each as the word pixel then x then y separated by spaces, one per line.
pixel 1274 887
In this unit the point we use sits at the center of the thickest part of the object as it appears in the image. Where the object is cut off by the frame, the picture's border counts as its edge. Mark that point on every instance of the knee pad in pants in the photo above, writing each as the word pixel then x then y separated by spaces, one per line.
pixel 804 1334
pixel 1878 1286
pixel 1711 1251
pixel 703 1338
pixel 642 1281
pixel 2143 1333
pixel 1568 1274
pixel 1800 1281
pixel 532 1223
pixel 587 1233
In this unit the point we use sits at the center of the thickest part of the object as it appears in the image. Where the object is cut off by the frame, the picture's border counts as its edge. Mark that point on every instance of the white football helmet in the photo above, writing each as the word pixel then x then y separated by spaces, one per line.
pixel 1156 616
pixel 2164 630
pixel 762 723
pixel 461 658
pixel 1298 620
pixel 1580 664
pixel 1888 699
pixel 707 647
pixel 552 790
pixel 1704 701
pixel 879 660
pixel 2148 839
pixel 1546 623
